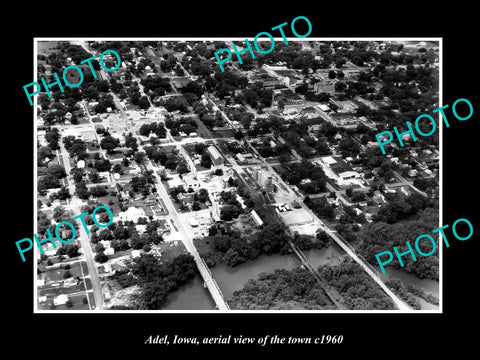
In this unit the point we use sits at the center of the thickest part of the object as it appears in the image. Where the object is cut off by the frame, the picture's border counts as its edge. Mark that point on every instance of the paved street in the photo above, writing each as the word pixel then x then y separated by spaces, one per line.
pixel 75 205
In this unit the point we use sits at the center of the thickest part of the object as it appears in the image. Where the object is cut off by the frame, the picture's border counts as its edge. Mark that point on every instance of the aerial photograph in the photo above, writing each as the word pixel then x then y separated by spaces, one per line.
pixel 258 188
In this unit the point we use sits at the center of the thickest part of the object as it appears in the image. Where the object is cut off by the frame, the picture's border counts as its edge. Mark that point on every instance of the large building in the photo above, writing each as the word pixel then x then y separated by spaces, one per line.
pixel 326 86
pixel 217 158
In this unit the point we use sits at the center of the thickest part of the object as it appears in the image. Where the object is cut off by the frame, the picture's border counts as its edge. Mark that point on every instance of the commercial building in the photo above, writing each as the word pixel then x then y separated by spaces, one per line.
pixel 217 158
pixel 256 218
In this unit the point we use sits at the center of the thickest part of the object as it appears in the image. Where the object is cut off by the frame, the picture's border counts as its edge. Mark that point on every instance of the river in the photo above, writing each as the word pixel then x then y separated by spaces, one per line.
pixel 427 285
pixel 194 297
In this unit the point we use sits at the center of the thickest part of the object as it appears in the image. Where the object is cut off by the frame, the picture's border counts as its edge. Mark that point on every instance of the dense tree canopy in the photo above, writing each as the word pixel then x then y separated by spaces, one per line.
pixel 360 292
pixel 282 290
pixel 378 237
pixel 158 280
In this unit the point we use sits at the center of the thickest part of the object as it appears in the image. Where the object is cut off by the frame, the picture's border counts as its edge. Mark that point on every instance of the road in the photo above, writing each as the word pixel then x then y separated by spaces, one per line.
pixel 75 205
pixel 188 241
pixel 397 301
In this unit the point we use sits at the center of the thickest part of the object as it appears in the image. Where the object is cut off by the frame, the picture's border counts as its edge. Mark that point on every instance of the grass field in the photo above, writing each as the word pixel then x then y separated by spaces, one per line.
pixel 57 274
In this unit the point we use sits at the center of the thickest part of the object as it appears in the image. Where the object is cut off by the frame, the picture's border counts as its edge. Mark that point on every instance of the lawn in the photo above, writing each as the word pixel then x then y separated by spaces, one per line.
pixel 224 133
pixel 57 290
pixel 77 302
pixel 112 202
pixel 57 274
pixel 170 252
pixel 202 130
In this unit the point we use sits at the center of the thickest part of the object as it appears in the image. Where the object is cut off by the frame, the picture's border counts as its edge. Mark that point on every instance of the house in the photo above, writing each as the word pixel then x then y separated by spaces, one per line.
pixel 256 218
pixel 240 201
pixel 105 243
pixel 150 199
pixel 134 170
pixel 141 228
pixel 193 222
pixel 109 251
pixel 69 282
pixel 325 86
pixel 107 268
pixel 324 107
pixel 289 80
pixel 131 214
pixel 412 172
pixel 378 196
pixel 349 175
pixel 135 254
pixel 60 300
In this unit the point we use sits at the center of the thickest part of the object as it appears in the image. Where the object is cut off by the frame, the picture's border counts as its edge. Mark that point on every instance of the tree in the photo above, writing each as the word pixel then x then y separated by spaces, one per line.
pixel 232 258
pixel 349 192
pixel 182 167
pixel 117 168
pixel 230 212
pixel 206 161
pixel 144 130
pixel 139 157
pixel 99 247
pixel 100 257
pixel 131 142
pixel 332 74
pixel 81 190
pixel 302 88
pixel 109 143
pixel 196 206
pixel 102 165
pixel 63 193
pixel 98 191
pixel 349 147
pixel 203 195
pixel 94 176
pixel 47 182
pixel 72 250
pixel 251 97
pixel 44 152
pixel 192 87
pixel 59 214
pixel 100 108
pixel 67 274
pixel 340 86
pixel 321 207
pixel 238 135
pixel 143 103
